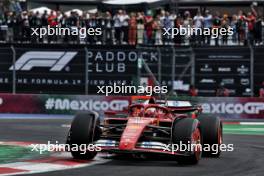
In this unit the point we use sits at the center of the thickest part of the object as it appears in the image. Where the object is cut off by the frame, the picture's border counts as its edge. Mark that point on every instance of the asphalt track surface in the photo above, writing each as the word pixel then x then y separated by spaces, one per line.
pixel 246 160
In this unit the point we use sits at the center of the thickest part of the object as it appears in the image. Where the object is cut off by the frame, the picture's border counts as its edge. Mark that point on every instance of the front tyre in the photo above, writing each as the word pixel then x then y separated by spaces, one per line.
pixel 187 131
pixel 84 130
pixel 212 132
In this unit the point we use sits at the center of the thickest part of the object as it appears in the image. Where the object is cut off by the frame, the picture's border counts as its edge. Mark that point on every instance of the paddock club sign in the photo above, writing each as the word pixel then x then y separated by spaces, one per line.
pixel 63 71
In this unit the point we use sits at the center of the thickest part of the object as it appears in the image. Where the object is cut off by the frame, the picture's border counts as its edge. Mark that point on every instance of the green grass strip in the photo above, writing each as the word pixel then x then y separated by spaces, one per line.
pixel 244 129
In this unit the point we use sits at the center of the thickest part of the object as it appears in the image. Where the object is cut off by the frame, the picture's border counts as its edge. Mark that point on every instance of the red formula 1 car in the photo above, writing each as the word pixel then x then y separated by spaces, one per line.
pixel 150 127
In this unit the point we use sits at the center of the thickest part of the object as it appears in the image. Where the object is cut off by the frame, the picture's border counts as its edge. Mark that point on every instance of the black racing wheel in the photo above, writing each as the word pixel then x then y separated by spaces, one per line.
pixel 187 131
pixel 84 130
pixel 212 132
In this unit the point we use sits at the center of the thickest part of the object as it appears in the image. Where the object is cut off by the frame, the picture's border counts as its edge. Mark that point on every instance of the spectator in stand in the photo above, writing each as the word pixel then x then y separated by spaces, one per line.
pixel 16 28
pixel 124 18
pixel 193 91
pixel 258 30
pixel 148 28
pixel 44 19
pixel 261 91
pixel 172 18
pixel 59 17
pixel 35 22
pixel 38 19
pixel 108 28
pixel 93 24
pixel 187 22
pixel 233 25
pixel 99 24
pixel 251 20
pixel 157 31
pixel 217 24
pixel 10 24
pixel 63 24
pixel 198 21
pixel 73 23
pixel 44 23
pixel 167 24
pixel 178 39
pixel 208 24
pixel 117 26
pixel 162 17
pixel 222 91
pixel 52 22
pixel 132 29
pixel 25 28
pixel 32 23
pixel 2 22
pixel 225 25
pixel 241 27
pixel 52 19
pixel 82 24
pixel 140 27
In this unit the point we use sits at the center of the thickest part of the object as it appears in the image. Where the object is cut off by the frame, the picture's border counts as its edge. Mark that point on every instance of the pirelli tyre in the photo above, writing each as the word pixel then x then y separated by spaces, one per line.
pixel 84 130
pixel 212 133
pixel 187 131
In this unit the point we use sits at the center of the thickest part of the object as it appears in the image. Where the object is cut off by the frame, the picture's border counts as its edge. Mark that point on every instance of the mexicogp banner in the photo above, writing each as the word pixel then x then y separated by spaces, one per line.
pixel 230 107
pixel 224 107
pixel 60 104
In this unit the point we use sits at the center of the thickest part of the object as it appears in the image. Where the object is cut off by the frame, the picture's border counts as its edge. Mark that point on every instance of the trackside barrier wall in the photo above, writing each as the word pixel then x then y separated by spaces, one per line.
pixel 79 69
pixel 70 104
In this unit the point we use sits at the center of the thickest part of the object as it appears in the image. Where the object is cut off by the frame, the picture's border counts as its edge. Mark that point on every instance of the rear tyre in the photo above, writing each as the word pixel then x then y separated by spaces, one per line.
pixel 212 132
pixel 84 130
pixel 187 131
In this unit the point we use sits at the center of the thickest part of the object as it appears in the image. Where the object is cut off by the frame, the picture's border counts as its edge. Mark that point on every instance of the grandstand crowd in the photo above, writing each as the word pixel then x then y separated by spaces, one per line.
pixel 134 27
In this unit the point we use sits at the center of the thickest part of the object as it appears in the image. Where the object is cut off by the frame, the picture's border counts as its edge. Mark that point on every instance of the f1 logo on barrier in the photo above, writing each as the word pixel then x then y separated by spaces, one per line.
pixel 57 60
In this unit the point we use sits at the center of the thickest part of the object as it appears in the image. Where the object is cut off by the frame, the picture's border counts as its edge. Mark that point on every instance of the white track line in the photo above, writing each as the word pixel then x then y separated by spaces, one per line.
pixel 242 123
pixel 65 125
pixel 251 123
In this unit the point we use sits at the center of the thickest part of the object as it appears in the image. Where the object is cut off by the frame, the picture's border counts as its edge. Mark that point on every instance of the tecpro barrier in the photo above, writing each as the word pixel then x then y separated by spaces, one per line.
pixel 70 104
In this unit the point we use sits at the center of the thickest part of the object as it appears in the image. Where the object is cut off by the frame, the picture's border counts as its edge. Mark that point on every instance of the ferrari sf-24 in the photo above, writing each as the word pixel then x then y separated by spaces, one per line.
pixel 149 127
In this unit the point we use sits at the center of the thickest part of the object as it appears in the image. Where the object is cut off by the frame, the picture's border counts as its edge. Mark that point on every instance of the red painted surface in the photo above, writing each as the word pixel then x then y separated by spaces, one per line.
pixel 7 170
pixel 61 161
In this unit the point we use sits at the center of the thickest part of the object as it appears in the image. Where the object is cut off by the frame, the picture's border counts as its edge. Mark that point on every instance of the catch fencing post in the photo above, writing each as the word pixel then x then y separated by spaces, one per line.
pixel 14 70
pixel 193 67
pixel 173 67
pixel 159 66
pixel 251 70
pixel 86 71
pixel 139 66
